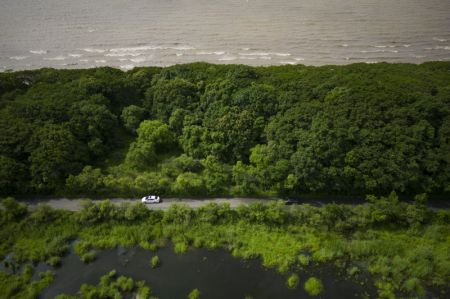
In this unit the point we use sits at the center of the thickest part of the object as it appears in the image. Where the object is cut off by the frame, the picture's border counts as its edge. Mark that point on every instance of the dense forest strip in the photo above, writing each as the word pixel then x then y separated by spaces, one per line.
pixel 219 130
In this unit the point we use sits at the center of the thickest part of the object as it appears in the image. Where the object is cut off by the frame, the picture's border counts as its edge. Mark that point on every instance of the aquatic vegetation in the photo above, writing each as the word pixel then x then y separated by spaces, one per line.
pixel 407 256
pixel 112 287
pixel 292 281
pixel 154 262
pixel 194 294
pixel 54 261
pixel 21 287
pixel 313 286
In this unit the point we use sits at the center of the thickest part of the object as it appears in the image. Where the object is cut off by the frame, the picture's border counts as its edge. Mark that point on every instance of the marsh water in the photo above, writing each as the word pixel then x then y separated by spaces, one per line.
pixel 85 33
pixel 215 273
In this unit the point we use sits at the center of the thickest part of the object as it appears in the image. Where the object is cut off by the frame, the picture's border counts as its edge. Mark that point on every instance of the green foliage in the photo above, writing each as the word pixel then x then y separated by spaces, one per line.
pixel 313 286
pixel 56 154
pixel 257 131
pixel 304 260
pixel 21 286
pixel 188 183
pixel 154 137
pixel 132 116
pixel 154 262
pixel 111 287
pixel 54 261
pixel 12 175
pixel 406 255
pixel 292 281
pixel 165 96
pixel 194 294
pixel 89 181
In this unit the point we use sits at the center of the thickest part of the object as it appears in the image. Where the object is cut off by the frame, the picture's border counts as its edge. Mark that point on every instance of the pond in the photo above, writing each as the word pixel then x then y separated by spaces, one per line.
pixel 216 273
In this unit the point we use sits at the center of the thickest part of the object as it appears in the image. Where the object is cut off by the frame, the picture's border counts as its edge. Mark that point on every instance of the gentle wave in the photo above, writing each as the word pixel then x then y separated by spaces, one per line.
pixel 18 57
pixel 127 67
pixel 93 50
pixel 289 62
pixel 442 40
pixel 38 52
pixel 75 55
pixel 139 59
pixel 210 53
pixel 227 58
pixel 122 54
pixel 378 51
pixel 383 46
pixel 255 54
pixel 55 58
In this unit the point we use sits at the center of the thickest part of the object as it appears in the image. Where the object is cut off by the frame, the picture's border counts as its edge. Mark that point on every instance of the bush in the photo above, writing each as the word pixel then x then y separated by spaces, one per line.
pixel 313 286
pixel 304 260
pixel 155 261
pixel 194 294
pixel 54 261
pixel 292 281
pixel 180 247
pixel 88 257
pixel 13 210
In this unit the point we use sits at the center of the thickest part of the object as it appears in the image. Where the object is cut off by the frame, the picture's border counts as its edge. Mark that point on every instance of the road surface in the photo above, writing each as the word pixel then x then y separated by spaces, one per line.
pixel 74 204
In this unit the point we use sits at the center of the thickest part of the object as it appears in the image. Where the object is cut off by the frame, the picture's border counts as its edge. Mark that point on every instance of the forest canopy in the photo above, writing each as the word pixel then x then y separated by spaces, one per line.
pixel 202 129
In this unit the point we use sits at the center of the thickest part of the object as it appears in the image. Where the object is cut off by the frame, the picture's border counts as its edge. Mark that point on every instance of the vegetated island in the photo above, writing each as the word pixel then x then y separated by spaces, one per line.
pixel 208 130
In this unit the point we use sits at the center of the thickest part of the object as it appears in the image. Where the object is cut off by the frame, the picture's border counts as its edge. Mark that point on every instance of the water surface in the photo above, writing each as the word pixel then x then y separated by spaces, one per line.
pixel 216 274
pixel 85 33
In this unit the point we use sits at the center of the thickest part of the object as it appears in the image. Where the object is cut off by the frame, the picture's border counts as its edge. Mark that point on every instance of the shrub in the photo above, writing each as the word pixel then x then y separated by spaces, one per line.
pixel 54 261
pixel 42 214
pixel 88 257
pixel 292 281
pixel 194 294
pixel 304 260
pixel 12 209
pixel 313 286
pixel 155 261
pixel 180 247
pixel 125 284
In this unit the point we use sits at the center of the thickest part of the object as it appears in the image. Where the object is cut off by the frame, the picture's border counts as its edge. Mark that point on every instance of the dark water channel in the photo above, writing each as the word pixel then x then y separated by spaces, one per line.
pixel 217 274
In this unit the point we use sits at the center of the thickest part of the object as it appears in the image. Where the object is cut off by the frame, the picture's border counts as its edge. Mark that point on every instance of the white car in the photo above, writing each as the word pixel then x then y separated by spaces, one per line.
pixel 151 199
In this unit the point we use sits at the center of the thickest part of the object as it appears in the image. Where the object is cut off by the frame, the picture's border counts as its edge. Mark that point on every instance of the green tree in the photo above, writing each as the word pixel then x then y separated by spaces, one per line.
pixel 56 155
pixel 154 137
pixel 132 116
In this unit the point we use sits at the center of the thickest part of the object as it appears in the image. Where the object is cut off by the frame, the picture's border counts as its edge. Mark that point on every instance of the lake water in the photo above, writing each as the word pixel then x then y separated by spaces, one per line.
pixel 86 33
pixel 215 273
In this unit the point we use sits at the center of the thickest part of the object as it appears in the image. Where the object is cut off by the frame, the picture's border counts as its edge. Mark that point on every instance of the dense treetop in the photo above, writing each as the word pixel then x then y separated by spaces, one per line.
pixel 203 129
